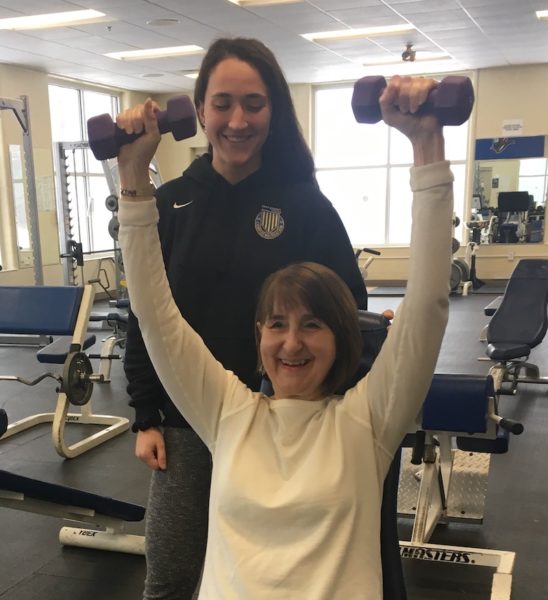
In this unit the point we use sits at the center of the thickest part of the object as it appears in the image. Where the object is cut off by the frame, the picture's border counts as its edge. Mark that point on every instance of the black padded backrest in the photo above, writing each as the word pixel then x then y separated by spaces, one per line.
pixel 521 317
pixel 373 327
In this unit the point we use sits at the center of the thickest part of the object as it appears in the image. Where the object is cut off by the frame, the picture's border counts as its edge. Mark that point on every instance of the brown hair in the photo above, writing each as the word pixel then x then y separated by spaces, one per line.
pixel 285 153
pixel 328 298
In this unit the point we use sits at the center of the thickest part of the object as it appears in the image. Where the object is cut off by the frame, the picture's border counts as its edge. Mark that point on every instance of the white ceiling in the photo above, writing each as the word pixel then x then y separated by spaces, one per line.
pixel 475 33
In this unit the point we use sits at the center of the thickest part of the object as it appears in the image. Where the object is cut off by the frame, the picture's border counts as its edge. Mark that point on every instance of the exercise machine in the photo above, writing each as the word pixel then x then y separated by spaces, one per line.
pixel 458 430
pixel 518 324
pixel 101 520
pixel 59 311
pixel 20 108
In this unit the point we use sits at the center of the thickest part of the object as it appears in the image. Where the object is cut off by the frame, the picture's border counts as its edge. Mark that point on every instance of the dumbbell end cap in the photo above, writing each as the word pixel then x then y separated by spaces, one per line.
pixel 454 100
pixel 182 117
pixel 365 98
pixel 102 137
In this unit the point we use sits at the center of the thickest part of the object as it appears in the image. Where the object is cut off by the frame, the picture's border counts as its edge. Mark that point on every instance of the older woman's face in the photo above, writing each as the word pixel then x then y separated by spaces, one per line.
pixel 297 351
pixel 236 116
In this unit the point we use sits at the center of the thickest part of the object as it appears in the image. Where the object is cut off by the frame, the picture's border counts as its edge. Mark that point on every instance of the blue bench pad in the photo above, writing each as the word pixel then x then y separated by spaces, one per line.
pixel 60 494
pixel 39 310
pixel 56 352
pixel 457 403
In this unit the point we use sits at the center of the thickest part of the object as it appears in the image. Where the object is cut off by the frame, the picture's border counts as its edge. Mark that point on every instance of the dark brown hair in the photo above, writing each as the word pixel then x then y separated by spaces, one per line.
pixel 285 154
pixel 328 298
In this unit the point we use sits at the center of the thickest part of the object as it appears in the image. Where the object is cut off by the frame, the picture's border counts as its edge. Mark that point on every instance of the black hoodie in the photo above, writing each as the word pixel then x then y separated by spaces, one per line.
pixel 220 241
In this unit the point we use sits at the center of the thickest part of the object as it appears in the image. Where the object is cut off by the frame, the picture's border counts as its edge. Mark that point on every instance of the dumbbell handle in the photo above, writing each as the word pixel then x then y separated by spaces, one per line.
pixel 451 101
pixel 106 138
pixel 123 138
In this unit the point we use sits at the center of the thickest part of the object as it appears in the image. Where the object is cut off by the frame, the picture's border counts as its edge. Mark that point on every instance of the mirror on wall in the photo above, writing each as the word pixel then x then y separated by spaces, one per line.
pixel 509 191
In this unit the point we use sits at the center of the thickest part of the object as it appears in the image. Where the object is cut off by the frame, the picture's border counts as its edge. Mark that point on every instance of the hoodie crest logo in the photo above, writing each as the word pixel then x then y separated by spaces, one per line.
pixel 269 223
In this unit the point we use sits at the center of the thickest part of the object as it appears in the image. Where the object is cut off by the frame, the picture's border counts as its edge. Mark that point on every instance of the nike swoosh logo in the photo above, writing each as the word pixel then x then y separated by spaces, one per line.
pixel 175 205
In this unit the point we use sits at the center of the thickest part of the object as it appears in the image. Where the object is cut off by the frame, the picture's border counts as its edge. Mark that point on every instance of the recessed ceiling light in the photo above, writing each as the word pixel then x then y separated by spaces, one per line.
pixel 419 57
pixel 262 2
pixel 152 75
pixel 351 34
pixel 162 22
pixel 60 19
pixel 156 53
pixel 542 15
pixel 192 75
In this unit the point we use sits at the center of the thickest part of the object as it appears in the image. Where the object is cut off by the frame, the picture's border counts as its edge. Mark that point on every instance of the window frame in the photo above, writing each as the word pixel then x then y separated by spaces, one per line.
pixel 82 169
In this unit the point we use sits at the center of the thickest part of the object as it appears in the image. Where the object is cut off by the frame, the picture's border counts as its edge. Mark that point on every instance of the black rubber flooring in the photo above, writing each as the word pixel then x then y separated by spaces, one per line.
pixel 34 565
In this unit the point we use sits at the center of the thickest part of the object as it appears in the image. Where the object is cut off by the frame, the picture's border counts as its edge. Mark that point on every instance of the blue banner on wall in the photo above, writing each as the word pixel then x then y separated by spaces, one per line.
pixel 510 147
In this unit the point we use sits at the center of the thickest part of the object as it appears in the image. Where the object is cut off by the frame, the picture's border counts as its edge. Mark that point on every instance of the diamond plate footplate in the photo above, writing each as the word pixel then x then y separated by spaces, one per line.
pixel 468 488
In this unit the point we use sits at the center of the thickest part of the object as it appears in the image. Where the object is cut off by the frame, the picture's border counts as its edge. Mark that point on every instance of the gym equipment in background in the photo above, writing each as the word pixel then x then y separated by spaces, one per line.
pixel 363 268
pixel 463 270
pixel 518 324
pixel 106 138
pixel 458 430
pixel 104 518
pixel 59 311
pixel 21 110
pixel 452 101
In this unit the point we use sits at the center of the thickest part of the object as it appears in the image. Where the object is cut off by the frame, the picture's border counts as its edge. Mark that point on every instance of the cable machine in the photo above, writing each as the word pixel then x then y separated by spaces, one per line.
pixel 20 108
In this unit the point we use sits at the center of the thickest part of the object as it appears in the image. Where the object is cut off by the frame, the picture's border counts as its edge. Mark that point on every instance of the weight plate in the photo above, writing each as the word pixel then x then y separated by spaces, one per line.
pixel 113 227
pixel 456 277
pixel 111 203
pixel 76 384
pixel 464 268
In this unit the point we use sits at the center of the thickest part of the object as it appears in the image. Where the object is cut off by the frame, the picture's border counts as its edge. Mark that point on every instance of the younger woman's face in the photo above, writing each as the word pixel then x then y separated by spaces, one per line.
pixel 236 114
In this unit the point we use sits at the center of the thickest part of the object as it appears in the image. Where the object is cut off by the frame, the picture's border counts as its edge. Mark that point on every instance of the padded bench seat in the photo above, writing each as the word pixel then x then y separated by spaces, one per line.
pixel 56 352
pixel 459 404
pixel 65 495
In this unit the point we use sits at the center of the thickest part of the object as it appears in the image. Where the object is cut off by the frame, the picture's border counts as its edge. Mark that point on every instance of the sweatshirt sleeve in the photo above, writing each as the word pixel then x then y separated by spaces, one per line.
pixel 390 397
pixel 144 388
pixel 196 382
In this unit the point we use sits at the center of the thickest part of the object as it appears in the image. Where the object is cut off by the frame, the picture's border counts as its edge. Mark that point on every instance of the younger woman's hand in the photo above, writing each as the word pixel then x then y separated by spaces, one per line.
pixel 150 448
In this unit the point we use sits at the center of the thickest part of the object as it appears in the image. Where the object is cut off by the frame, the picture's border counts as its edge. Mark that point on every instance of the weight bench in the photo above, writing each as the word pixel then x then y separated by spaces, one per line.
pixel 519 324
pixel 107 517
pixel 459 429
pixel 59 311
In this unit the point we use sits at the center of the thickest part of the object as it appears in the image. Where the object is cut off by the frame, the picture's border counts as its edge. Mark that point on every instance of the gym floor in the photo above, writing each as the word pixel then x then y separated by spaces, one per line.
pixel 33 564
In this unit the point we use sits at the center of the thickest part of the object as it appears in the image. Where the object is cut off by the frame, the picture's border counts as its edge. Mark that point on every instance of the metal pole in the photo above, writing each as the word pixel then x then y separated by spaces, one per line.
pixel 21 110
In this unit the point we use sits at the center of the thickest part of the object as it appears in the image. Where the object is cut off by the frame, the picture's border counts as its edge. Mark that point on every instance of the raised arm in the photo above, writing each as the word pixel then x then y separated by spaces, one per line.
pixel 401 375
pixel 194 380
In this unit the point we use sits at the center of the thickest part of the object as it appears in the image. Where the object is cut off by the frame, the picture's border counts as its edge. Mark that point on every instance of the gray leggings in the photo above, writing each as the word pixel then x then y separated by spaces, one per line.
pixel 176 518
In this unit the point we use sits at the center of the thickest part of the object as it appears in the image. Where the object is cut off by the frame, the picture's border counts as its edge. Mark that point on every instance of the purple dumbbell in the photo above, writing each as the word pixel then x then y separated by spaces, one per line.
pixel 105 138
pixel 452 101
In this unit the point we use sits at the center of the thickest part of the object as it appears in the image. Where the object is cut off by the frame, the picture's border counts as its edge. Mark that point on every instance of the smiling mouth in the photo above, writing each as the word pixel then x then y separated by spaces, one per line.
pixel 295 363
pixel 238 139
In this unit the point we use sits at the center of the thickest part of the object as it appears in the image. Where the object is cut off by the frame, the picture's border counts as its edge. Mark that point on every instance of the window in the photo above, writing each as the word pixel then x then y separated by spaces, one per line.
pixel 533 178
pixel 88 187
pixel 364 169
